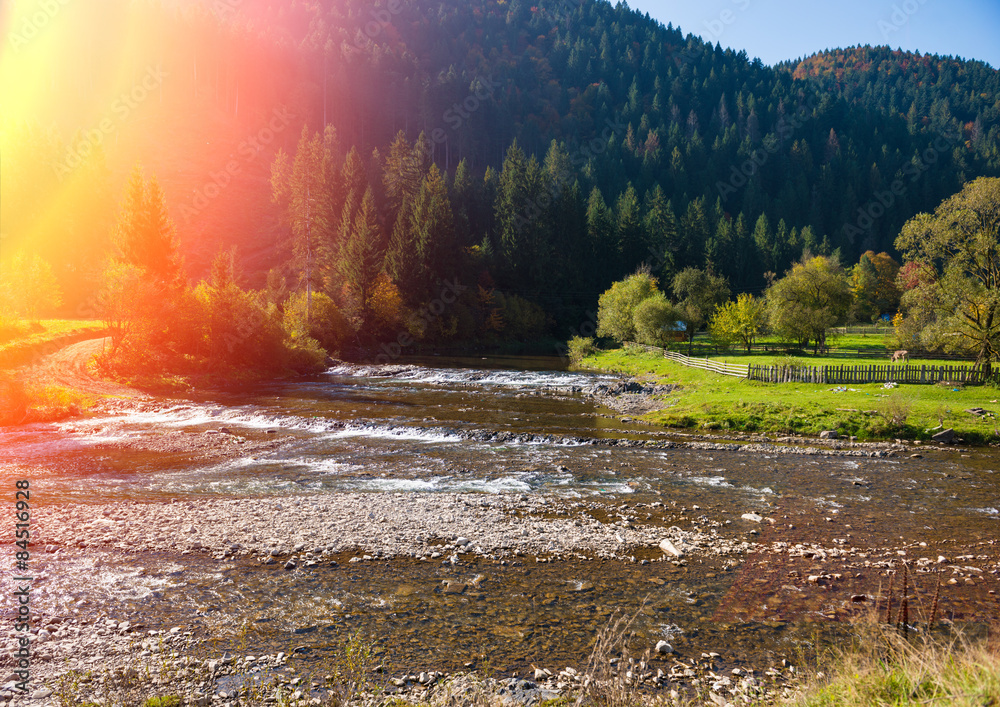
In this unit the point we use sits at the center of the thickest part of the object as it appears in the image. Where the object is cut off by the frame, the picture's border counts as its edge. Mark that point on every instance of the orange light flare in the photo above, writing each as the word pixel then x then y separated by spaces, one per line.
pixel 84 83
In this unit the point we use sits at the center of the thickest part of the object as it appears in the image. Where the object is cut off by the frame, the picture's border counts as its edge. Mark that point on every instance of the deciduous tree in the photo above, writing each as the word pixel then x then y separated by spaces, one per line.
pixel 960 244
pixel 698 293
pixel 740 321
pixel 616 307
pixel 811 298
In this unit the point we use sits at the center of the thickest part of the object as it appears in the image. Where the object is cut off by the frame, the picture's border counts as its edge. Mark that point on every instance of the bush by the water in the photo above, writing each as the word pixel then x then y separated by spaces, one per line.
pixel 579 348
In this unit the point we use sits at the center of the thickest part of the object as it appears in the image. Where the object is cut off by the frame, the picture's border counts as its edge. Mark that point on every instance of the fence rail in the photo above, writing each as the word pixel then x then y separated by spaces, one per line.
pixel 705 364
pixel 832 374
pixel 883 373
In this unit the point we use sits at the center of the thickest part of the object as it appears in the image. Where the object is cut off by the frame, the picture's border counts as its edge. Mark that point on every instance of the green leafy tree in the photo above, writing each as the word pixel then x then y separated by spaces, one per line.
pixel 960 245
pixel 741 321
pixel 28 286
pixel 698 293
pixel 655 320
pixel 616 307
pixel 873 286
pixel 810 299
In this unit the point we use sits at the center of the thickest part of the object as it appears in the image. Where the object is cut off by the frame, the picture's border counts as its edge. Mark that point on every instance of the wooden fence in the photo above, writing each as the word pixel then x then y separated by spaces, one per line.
pixel 884 373
pixel 726 369
pixel 705 364
pixel 830 375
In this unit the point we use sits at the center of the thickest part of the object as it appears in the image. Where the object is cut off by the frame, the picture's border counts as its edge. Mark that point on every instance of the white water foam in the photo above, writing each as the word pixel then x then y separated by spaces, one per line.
pixel 473 377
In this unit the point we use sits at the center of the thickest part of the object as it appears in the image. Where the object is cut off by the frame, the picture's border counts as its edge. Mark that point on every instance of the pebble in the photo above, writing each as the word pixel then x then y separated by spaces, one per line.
pixel 664 647
pixel 670 549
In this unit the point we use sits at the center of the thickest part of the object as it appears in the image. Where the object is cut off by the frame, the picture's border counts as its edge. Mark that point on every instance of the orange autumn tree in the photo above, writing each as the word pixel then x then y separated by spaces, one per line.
pixel 144 291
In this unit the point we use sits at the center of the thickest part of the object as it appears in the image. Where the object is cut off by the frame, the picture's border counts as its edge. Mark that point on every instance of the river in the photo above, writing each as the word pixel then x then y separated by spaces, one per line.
pixel 832 529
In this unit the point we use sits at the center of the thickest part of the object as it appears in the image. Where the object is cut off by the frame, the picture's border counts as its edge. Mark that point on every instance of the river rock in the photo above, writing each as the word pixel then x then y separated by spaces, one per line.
pixel 752 517
pixel 41 693
pixel 664 647
pixel 524 692
pixel 944 436
pixel 828 434
pixel 670 549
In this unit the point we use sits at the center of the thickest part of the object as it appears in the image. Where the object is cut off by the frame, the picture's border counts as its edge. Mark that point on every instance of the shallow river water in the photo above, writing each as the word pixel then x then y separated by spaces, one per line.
pixel 517 427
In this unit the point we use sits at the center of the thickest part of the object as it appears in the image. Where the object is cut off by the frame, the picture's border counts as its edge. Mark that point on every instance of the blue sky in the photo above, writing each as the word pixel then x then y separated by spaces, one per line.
pixel 775 30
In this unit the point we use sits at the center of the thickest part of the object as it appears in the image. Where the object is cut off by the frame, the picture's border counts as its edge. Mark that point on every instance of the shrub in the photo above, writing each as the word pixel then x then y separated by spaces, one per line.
pixel 655 319
pixel 14 400
pixel 522 320
pixel 579 348
pixel 327 324
pixel 894 409
pixel 167 701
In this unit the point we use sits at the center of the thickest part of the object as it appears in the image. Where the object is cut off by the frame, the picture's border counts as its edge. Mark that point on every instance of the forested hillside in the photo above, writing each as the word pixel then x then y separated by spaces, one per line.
pixel 570 142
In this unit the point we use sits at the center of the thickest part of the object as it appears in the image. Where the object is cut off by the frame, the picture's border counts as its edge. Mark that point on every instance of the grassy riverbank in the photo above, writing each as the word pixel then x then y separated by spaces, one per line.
pixel 23 342
pixel 707 401
pixel 883 668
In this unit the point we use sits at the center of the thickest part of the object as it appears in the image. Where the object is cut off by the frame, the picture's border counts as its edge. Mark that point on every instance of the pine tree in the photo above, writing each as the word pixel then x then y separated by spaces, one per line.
pixel 601 234
pixel 305 188
pixel 763 238
pixel 661 234
pixel 145 235
pixel 694 233
pixel 433 229
pixel 361 261
pixel 513 224
pixel 631 238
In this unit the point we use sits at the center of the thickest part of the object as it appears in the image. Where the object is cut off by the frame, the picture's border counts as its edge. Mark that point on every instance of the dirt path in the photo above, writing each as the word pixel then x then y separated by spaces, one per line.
pixel 70 367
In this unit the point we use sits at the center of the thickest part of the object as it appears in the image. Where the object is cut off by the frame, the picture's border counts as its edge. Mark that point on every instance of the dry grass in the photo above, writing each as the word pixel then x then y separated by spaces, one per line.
pixel 612 677
pixel 887 667
pixel 21 402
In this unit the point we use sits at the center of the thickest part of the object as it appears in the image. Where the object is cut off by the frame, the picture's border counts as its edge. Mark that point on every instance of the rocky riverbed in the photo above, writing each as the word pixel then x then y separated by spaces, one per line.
pixel 109 655
pixel 465 520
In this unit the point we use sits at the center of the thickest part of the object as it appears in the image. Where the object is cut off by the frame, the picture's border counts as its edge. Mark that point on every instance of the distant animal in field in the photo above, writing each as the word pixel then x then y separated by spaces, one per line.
pixel 903 356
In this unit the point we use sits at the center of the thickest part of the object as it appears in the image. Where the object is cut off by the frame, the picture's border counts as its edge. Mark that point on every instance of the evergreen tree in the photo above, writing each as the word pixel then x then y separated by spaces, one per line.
pixel 305 189
pixel 661 233
pixel 145 235
pixel 631 236
pixel 601 234
pixel 433 229
pixel 361 261
pixel 694 233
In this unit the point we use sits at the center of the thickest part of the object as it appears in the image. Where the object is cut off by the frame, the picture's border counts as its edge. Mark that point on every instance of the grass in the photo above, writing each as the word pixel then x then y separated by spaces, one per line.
pixel 22 403
pixel 16 332
pixel 884 667
pixel 707 401
pixel 21 341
